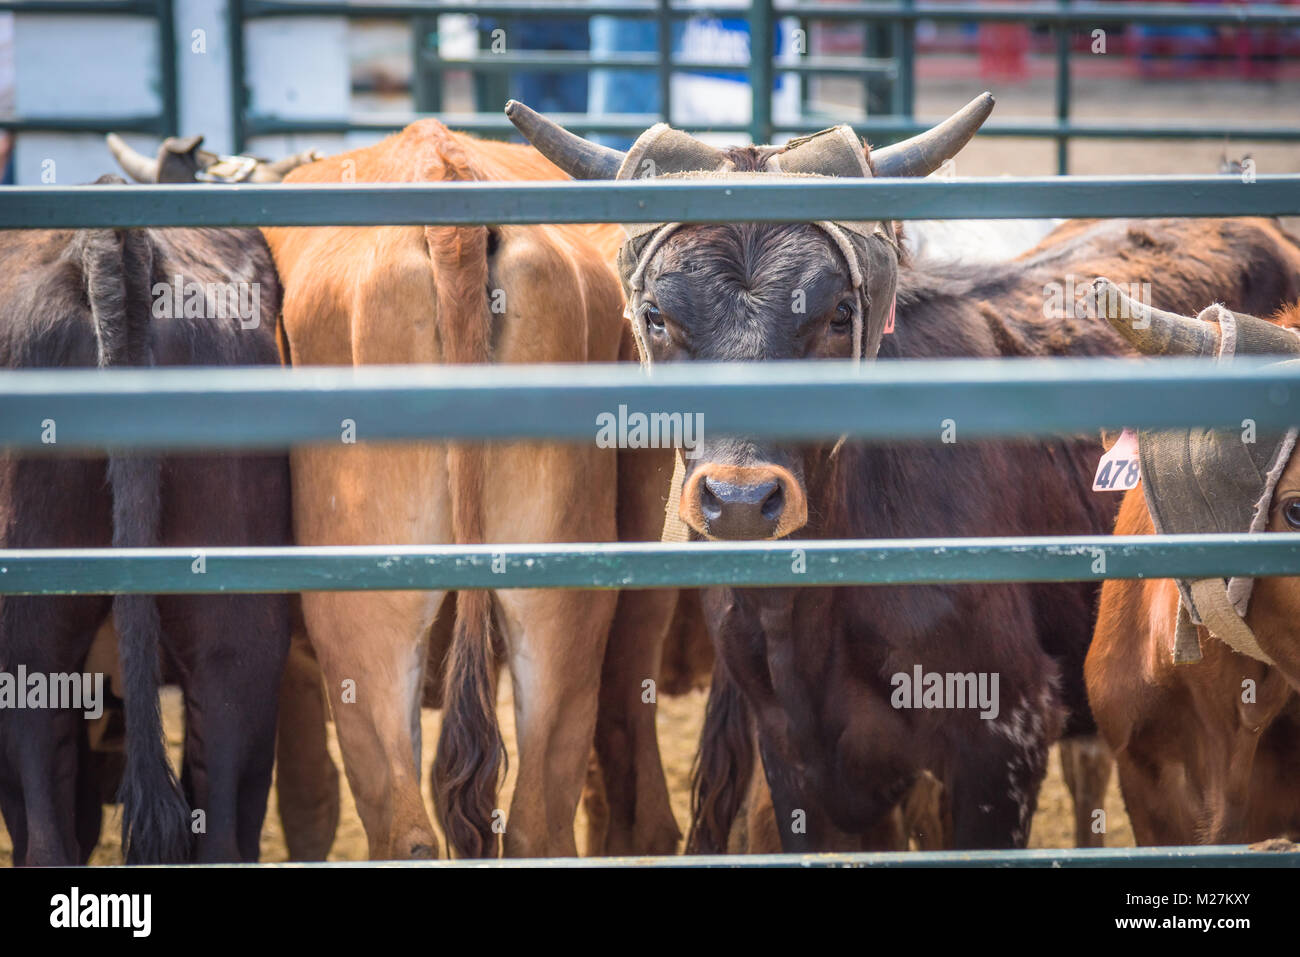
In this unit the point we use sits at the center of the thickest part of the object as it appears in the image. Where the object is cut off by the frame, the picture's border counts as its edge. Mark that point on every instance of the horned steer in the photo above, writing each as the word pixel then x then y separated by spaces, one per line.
pixel 814 673
pixel 1194 682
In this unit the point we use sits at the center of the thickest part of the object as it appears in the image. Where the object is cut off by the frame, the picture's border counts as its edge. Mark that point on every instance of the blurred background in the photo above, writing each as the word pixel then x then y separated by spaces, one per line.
pixel 1188 89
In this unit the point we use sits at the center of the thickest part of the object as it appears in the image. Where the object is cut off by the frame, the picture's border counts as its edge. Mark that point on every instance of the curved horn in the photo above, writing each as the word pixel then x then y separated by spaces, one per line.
pixel 1152 331
pixel 139 168
pixel 580 158
pixel 924 153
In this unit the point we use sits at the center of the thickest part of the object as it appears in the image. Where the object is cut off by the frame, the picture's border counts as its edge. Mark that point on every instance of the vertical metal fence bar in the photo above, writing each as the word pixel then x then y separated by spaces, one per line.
pixel 167 68
pixel 905 53
pixel 760 70
pixel 238 91
pixel 426 83
pixel 1063 93
pixel 664 32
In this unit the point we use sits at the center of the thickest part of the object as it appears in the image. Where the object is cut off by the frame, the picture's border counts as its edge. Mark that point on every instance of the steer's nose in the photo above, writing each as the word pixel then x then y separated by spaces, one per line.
pixel 743 503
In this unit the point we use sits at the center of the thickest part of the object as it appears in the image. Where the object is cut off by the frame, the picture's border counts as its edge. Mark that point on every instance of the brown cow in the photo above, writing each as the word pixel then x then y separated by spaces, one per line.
pixel 1206 747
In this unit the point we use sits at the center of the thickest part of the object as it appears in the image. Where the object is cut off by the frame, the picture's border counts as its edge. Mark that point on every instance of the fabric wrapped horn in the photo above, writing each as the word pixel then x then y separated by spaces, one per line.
pixel 1152 331
pixel 1215 332
pixel 926 152
pixel 580 158
pixel 139 168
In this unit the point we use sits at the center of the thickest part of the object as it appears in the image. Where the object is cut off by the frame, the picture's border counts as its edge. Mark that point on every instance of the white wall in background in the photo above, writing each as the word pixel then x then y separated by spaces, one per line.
pixel 74 66
pixel 203 78
pixel 298 67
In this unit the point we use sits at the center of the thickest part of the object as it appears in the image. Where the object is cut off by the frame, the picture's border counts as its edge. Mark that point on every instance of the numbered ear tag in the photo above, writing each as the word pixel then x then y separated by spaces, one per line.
pixel 1118 470
pixel 889 323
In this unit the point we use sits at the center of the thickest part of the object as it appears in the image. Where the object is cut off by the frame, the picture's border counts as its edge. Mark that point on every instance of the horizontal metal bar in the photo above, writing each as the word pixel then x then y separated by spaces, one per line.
pixel 84 124
pixel 884 127
pixel 24 207
pixel 626 123
pixel 1076 14
pixel 889 400
pixel 1048 129
pixel 198 570
pixel 1073 14
pixel 134 7
pixel 548 60
pixel 425 8
pixel 1223 855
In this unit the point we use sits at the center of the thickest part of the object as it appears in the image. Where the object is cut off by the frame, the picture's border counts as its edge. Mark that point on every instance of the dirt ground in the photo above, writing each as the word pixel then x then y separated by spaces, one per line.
pixel 679 727
pixel 1094 99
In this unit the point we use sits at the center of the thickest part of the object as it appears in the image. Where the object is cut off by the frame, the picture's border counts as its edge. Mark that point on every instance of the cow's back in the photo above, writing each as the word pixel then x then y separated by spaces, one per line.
pixel 338 279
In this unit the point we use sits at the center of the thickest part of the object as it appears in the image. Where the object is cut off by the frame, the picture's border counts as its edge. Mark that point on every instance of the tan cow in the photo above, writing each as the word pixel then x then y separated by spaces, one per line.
pixel 378 295
pixel 1203 717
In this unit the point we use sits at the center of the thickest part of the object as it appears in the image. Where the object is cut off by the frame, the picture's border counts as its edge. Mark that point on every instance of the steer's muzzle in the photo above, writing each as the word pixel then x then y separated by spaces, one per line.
pixel 740 503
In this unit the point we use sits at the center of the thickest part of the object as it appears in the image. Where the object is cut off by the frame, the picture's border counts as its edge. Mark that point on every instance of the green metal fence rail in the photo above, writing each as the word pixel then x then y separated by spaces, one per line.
pixel 690 202
pixel 163 123
pixel 641 565
pixel 880 401
pixel 762 68
pixel 1223 855
pixel 191 408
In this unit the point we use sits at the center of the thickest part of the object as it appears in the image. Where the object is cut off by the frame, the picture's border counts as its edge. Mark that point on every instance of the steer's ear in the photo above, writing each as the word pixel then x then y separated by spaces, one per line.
pixel 581 159
pixel 1152 331
pixel 926 152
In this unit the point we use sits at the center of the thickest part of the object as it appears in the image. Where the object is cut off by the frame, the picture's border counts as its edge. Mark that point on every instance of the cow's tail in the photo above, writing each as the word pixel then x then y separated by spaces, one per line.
pixel 117 265
pixel 723 767
pixel 471 753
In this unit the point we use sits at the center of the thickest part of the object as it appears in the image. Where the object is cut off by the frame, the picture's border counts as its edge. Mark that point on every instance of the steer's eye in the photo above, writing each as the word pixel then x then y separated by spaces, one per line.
pixel 1291 512
pixel 654 319
pixel 843 321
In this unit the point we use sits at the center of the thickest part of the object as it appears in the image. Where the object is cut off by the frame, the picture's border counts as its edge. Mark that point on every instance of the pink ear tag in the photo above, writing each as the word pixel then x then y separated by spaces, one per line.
pixel 889 323
pixel 1118 470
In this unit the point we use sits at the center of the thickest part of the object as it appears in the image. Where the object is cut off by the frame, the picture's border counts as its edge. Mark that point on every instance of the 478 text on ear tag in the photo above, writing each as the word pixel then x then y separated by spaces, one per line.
pixel 1118 470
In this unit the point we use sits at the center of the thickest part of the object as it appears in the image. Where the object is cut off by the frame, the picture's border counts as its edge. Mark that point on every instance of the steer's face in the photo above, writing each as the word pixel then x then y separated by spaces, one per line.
pixel 747 292
pixel 756 292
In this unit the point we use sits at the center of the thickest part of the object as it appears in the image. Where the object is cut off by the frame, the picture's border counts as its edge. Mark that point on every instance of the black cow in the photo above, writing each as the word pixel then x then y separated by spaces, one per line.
pixel 822 676
pixel 142 297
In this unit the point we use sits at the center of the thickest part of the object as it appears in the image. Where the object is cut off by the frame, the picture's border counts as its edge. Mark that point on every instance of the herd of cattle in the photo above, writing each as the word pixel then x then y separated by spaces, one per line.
pixel 805 747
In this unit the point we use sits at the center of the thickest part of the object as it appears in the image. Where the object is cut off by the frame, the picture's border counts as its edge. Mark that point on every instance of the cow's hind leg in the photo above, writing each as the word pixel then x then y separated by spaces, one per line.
pixel 555 643
pixel 42 745
pixel 1086 764
pixel 229 652
pixel 640 817
pixel 371 647
pixel 306 780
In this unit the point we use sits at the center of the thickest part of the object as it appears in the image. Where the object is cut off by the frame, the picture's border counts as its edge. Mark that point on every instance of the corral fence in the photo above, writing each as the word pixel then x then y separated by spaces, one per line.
pixel 162 123
pixel 881 401
pixel 764 67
